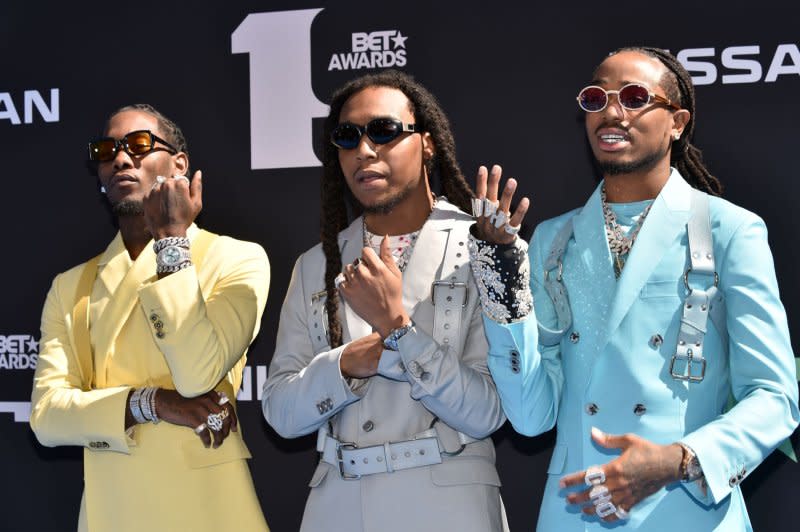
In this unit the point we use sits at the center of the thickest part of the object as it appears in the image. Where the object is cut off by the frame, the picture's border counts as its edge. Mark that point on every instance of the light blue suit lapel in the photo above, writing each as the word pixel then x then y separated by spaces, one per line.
pixel 594 270
pixel 665 223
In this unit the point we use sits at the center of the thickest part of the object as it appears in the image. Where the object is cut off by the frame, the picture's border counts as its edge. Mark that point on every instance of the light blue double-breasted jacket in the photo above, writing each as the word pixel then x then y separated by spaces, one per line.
pixel 610 370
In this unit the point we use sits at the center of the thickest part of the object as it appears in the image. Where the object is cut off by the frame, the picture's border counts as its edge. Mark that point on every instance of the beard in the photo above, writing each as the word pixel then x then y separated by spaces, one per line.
pixel 615 168
pixel 128 208
pixel 387 205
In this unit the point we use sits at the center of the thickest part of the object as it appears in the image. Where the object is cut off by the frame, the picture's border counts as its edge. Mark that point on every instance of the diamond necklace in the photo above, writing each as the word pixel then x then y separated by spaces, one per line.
pixel 619 243
pixel 402 260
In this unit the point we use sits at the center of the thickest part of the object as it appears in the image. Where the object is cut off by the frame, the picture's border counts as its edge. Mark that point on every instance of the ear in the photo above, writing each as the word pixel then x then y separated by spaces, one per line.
pixel 679 120
pixel 428 146
pixel 181 162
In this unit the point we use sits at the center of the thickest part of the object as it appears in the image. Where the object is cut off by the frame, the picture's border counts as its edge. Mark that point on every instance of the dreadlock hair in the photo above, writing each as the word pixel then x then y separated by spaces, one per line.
pixel 169 129
pixel 336 196
pixel 684 156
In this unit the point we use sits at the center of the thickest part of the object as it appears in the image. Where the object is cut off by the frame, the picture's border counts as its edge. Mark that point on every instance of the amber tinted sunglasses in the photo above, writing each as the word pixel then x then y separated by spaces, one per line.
pixel 134 143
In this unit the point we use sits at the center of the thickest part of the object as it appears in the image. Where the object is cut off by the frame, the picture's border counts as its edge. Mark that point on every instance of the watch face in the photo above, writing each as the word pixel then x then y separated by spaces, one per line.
pixel 172 256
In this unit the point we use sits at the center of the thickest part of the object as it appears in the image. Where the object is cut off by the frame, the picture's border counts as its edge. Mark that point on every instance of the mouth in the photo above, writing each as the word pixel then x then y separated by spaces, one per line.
pixel 613 139
pixel 121 179
pixel 366 177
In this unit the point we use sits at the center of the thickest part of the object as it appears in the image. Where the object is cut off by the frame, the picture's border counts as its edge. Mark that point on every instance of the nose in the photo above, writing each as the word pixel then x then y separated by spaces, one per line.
pixel 366 149
pixel 613 108
pixel 122 160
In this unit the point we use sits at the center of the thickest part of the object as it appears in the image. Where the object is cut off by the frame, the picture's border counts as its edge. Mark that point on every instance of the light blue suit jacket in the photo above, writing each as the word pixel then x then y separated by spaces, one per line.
pixel 607 372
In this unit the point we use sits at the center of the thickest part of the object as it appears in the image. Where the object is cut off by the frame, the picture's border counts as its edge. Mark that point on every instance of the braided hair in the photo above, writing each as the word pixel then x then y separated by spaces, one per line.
pixel 684 156
pixel 338 205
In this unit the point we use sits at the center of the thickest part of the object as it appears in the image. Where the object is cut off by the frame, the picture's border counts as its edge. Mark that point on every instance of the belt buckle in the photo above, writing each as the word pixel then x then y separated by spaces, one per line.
pixel 451 285
pixel 347 446
pixel 688 375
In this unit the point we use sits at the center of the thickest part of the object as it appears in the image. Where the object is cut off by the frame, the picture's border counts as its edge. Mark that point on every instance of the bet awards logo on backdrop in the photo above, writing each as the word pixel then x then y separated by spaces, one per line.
pixel 378 49
pixel 11 104
pixel 282 103
pixel 18 351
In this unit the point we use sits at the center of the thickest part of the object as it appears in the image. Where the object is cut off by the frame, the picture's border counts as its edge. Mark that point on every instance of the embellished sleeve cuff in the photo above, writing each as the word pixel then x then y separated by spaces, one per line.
pixel 502 273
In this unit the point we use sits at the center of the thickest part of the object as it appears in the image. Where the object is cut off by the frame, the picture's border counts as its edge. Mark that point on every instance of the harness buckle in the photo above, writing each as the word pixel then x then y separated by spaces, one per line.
pixel 691 362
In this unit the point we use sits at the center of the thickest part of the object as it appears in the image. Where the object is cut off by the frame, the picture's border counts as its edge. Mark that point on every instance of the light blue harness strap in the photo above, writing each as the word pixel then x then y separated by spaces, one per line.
pixel 554 286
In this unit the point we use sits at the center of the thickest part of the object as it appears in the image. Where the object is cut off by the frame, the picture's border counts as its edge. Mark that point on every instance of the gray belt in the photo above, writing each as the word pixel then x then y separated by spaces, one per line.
pixel 354 462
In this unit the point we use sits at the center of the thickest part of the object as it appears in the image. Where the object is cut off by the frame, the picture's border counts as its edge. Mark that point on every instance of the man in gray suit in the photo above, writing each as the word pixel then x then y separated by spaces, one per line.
pixel 386 357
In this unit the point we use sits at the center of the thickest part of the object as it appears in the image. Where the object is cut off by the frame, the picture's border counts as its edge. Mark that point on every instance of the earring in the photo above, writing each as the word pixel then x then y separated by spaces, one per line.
pixel 676 135
pixel 102 189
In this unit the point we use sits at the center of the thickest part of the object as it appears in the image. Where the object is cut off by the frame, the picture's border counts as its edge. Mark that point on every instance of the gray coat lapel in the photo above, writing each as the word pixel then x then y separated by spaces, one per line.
pixel 426 258
pixel 351 242
pixel 422 269
pixel 665 223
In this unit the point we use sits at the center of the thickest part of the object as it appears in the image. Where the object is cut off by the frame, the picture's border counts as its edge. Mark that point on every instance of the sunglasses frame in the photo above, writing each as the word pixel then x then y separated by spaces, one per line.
pixel 362 130
pixel 123 143
pixel 651 98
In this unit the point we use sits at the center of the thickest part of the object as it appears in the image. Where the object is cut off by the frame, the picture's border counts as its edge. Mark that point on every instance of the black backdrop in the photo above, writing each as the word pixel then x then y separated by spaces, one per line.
pixel 249 101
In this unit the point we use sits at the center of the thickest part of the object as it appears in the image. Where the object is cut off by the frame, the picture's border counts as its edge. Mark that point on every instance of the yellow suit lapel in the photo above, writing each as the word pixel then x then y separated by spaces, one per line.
pixel 120 303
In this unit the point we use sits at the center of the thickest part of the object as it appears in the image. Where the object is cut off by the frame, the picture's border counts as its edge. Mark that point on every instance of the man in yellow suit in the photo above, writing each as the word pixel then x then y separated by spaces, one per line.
pixel 143 347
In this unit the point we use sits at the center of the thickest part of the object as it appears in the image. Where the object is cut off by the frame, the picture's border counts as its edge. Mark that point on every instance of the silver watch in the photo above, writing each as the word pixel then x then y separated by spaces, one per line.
pixel 172 258
pixel 390 342
pixel 690 465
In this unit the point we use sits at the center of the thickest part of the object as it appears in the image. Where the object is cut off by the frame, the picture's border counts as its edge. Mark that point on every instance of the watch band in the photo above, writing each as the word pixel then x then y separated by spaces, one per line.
pixel 690 465
pixel 391 340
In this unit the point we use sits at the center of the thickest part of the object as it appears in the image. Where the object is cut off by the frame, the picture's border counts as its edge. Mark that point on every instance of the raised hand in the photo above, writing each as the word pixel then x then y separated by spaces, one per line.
pixel 373 287
pixel 194 412
pixel 642 469
pixel 173 203
pixel 498 227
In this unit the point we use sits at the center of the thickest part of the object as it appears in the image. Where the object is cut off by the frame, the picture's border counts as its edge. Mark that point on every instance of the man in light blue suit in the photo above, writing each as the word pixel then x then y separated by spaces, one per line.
pixel 655 302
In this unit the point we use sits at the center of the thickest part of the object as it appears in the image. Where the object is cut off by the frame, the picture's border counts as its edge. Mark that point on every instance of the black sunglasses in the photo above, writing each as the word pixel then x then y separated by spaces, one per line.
pixel 632 96
pixel 346 136
pixel 134 143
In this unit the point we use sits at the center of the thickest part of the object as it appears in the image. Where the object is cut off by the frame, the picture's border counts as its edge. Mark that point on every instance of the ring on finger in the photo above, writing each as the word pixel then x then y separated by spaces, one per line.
pixel 512 229
pixel 500 219
pixel 337 282
pixel 622 514
pixel 490 207
pixel 356 263
pixel 200 428
pixel 599 494
pixel 594 476
pixel 477 207
pixel 214 421
pixel 223 398
pixel 180 177
pixel 604 509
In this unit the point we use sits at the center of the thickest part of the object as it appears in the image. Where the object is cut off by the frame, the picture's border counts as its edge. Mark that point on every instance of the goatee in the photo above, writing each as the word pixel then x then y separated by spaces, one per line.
pixel 128 208
pixel 615 168
pixel 387 205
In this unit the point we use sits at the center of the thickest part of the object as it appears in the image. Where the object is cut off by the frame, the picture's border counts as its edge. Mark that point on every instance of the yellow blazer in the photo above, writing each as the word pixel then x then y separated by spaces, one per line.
pixel 153 477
